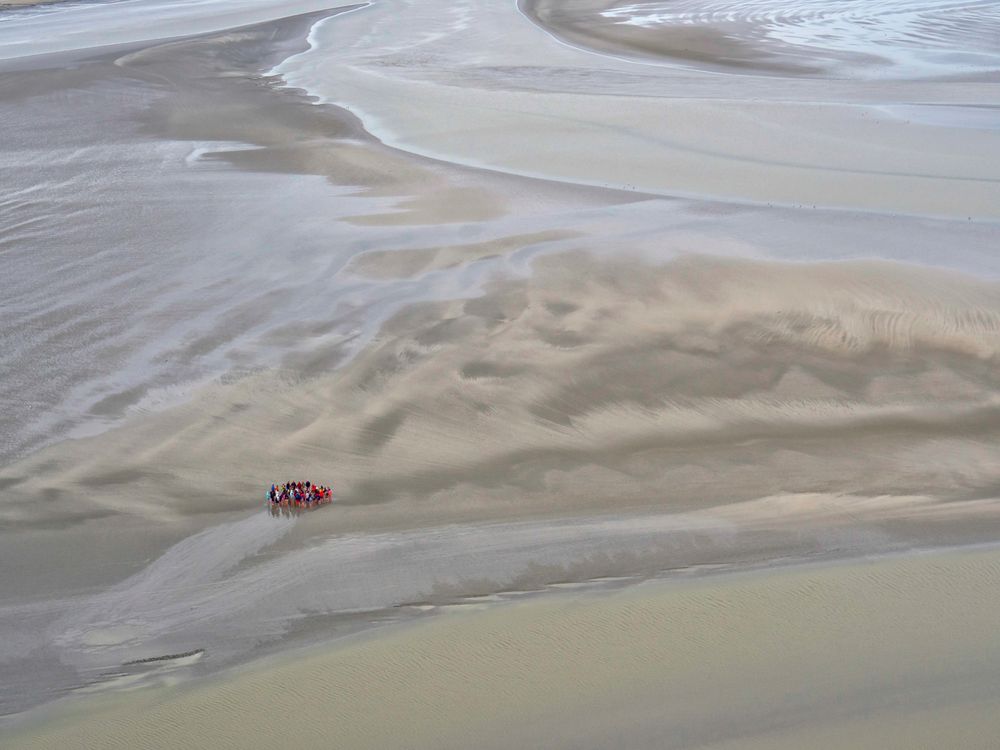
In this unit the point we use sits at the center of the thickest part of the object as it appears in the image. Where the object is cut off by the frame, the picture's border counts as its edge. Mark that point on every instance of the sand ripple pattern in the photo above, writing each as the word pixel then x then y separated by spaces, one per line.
pixel 911 36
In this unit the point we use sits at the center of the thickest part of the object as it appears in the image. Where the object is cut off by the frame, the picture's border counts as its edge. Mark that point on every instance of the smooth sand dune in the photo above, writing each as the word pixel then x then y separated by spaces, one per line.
pixel 889 653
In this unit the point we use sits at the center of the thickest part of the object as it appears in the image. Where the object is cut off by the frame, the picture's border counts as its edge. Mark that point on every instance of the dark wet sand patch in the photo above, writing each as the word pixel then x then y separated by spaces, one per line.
pixel 720 46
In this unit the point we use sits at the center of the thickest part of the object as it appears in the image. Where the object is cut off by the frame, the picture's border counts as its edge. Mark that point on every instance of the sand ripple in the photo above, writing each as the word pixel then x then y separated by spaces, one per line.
pixel 903 37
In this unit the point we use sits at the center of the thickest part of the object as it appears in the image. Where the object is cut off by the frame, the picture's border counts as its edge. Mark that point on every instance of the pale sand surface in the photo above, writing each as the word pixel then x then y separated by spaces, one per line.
pixel 590 384
pixel 416 261
pixel 514 385
pixel 595 418
pixel 482 84
pixel 894 652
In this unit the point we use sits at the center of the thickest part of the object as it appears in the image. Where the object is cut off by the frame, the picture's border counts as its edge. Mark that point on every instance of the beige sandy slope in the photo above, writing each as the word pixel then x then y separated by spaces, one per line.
pixel 897 653
pixel 591 386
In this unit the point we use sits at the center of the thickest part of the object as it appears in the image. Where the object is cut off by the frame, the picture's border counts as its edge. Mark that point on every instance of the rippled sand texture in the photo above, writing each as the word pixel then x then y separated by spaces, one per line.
pixel 595 383
pixel 140 263
pixel 853 39
pixel 892 653
pixel 763 410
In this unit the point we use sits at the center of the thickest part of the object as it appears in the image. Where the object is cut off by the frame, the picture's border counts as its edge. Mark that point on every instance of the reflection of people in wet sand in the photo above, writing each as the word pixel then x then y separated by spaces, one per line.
pixel 298 495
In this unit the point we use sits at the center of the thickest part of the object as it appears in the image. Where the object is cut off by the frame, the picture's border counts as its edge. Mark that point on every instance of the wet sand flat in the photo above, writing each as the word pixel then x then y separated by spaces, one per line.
pixel 491 88
pixel 897 40
pixel 434 255
pixel 596 418
pixel 593 383
pixel 603 25
pixel 885 653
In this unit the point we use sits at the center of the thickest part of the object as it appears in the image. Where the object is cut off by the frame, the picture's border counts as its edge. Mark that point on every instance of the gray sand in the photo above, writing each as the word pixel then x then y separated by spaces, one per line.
pixel 708 45
pixel 885 653
pixel 716 430
pixel 515 385
pixel 811 38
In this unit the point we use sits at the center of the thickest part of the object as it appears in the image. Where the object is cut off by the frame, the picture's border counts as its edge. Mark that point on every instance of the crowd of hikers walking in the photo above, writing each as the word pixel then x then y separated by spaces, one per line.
pixel 298 495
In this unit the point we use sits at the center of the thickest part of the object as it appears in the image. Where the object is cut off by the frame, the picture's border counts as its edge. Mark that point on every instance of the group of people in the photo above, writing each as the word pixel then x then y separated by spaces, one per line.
pixel 298 495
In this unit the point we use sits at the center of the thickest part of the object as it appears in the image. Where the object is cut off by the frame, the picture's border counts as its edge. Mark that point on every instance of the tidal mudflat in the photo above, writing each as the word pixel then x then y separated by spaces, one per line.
pixel 651 352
